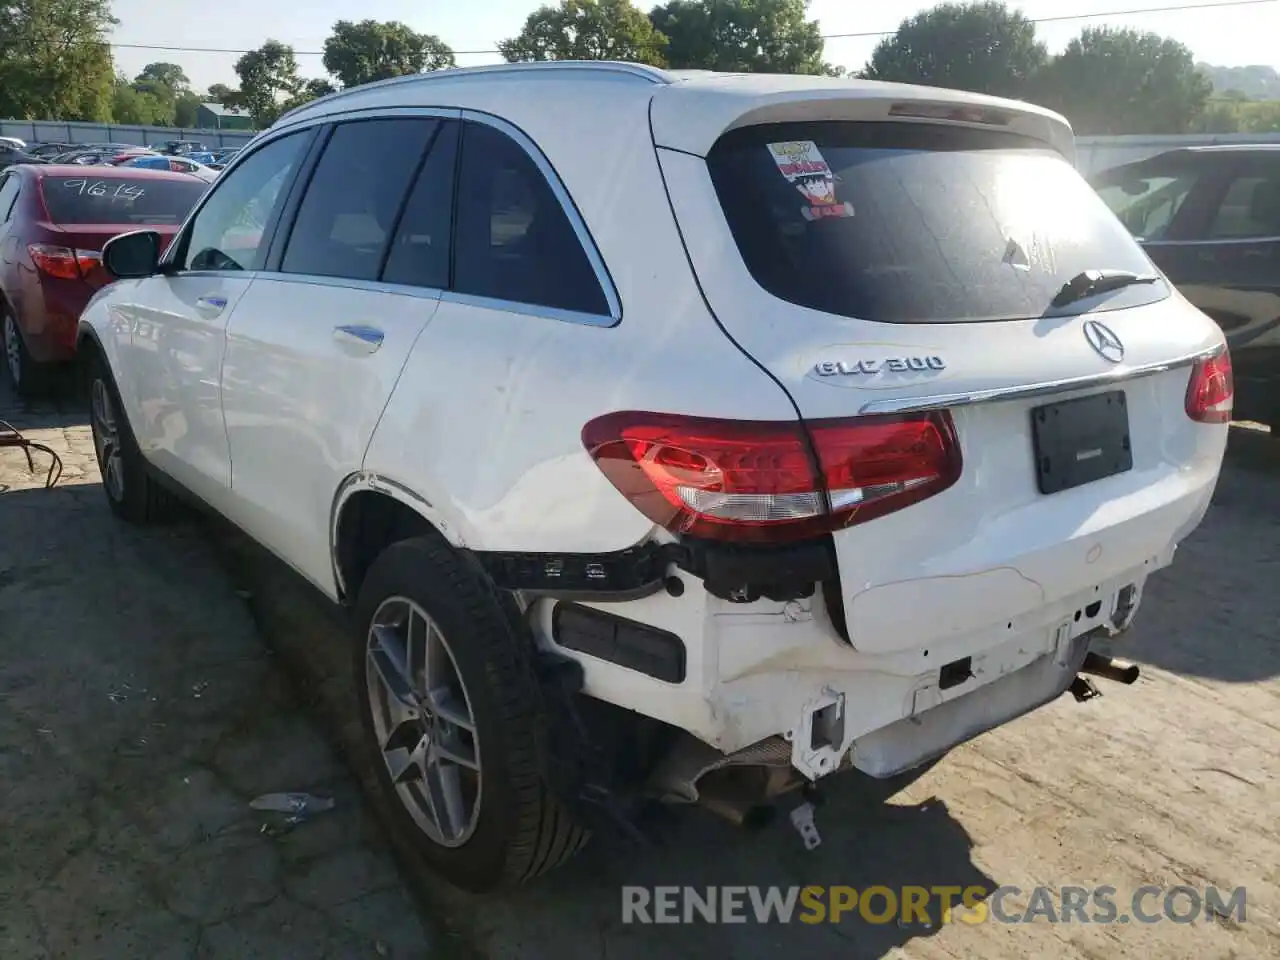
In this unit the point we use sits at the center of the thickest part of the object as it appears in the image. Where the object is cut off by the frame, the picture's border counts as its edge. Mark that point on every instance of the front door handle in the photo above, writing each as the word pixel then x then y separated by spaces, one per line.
pixel 359 335
pixel 212 305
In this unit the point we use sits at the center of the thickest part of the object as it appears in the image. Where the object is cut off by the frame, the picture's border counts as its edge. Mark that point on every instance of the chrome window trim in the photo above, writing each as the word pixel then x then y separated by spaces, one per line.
pixel 527 309
pixel 585 240
pixel 548 172
pixel 248 150
pixel 1211 242
pixel 920 404
pixel 350 283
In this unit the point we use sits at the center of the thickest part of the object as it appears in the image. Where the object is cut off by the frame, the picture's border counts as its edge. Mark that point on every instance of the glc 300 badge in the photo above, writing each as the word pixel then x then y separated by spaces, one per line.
pixel 854 368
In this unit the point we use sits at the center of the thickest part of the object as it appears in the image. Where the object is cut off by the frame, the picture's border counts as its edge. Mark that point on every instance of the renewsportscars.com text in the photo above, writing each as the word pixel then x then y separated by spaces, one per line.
pixel 930 906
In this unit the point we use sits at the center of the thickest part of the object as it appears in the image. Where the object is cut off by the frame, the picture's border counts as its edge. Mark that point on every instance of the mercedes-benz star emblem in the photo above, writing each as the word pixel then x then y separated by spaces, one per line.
pixel 1104 342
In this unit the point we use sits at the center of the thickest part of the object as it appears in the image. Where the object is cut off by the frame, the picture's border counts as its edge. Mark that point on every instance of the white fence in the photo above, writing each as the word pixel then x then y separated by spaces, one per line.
pixel 50 131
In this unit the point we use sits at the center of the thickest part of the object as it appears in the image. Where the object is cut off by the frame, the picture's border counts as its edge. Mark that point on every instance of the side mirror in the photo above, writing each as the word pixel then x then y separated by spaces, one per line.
pixel 1134 188
pixel 132 256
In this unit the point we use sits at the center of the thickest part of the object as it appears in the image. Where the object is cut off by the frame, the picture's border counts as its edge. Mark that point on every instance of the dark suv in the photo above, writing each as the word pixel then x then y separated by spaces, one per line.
pixel 1209 217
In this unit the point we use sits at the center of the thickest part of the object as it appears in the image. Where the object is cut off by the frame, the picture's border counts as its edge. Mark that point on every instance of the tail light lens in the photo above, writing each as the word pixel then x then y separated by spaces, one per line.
pixel 1211 390
pixel 770 482
pixel 63 262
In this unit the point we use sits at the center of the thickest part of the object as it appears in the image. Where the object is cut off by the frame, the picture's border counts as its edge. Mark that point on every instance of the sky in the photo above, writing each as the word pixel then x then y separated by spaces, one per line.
pixel 1234 36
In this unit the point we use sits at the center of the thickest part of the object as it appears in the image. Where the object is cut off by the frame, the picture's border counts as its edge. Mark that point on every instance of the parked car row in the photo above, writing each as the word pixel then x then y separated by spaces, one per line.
pixel 1209 217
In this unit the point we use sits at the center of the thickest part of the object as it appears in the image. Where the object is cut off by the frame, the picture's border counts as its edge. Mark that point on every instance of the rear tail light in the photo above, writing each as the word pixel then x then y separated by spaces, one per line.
pixel 771 482
pixel 1212 389
pixel 63 262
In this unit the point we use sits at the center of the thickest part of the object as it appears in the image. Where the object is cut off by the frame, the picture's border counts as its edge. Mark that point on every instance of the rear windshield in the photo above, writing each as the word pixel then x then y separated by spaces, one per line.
pixel 917 223
pixel 91 199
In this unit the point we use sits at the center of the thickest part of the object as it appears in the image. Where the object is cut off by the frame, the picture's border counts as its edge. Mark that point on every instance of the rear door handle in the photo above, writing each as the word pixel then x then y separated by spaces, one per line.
pixel 359 335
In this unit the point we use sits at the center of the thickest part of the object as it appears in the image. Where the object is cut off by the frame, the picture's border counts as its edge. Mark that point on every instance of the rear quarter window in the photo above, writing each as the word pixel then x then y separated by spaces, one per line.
pixel 91 199
pixel 917 223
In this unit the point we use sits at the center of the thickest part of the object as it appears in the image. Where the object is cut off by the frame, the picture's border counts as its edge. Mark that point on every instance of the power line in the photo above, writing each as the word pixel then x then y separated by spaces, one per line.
pixel 1099 15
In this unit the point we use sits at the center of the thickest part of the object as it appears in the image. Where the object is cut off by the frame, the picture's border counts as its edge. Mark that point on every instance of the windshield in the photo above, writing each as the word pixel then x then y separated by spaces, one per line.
pixel 917 223
pixel 92 199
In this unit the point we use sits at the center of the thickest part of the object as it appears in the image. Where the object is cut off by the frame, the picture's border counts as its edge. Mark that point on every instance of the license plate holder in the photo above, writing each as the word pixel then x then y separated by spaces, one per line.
pixel 1081 440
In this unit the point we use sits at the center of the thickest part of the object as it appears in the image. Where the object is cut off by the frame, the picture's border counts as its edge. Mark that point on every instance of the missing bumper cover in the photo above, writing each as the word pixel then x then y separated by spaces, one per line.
pixel 741 574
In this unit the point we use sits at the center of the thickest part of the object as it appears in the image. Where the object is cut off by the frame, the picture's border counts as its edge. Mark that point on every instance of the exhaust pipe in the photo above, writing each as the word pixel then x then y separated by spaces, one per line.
pixel 1109 668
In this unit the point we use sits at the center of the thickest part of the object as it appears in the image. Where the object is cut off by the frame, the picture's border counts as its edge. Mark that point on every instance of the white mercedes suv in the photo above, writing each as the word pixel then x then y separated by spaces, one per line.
pixel 685 436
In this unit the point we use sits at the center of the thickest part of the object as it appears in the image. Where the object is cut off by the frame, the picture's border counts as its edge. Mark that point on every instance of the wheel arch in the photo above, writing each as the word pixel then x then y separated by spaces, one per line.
pixel 370 512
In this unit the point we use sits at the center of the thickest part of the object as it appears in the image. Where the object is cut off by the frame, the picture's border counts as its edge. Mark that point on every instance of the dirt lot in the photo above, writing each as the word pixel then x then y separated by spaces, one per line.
pixel 1173 781
pixel 139 715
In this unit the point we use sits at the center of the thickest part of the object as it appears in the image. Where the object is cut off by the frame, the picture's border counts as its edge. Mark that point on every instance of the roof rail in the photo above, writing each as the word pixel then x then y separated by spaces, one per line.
pixel 639 71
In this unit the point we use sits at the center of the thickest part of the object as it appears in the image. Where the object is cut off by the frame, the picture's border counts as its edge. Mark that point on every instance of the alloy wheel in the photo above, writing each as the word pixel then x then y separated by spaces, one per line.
pixel 106 439
pixel 423 721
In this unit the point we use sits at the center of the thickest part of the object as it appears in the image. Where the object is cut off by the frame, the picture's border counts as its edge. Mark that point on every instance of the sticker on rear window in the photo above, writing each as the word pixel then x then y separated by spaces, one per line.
pixel 801 162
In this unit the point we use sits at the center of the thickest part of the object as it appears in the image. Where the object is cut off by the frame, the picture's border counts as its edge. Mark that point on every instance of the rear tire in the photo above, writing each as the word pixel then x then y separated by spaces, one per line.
pixel 421 602
pixel 29 377
pixel 132 493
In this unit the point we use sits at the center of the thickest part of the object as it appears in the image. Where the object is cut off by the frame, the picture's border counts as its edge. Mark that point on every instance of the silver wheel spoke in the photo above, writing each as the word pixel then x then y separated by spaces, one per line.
pixel 423 721
pixel 408 766
pixel 444 704
pixel 454 749
pixel 387 655
pixel 444 787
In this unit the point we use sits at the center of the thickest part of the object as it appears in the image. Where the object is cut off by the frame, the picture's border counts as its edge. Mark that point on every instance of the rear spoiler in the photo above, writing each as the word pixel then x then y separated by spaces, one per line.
pixel 691 116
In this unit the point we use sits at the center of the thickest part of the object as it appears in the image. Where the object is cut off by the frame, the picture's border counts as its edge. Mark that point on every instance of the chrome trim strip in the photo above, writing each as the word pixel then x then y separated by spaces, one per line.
pixel 347 283
pixel 528 309
pixel 1216 242
pixel 995 395
pixel 566 204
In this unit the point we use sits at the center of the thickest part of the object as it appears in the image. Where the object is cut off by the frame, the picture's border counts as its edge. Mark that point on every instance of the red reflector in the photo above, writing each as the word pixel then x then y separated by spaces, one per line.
pixel 758 481
pixel 63 262
pixel 1211 390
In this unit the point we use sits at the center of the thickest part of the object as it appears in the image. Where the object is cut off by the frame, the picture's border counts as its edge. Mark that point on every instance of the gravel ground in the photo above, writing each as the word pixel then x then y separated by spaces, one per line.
pixel 139 715
pixel 112 846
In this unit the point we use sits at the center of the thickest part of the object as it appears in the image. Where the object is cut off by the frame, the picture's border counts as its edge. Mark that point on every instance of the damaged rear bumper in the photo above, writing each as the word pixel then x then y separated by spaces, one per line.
pixel 914 740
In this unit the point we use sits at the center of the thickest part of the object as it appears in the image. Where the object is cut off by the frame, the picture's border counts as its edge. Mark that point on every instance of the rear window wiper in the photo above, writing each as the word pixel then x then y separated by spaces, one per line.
pixel 1090 282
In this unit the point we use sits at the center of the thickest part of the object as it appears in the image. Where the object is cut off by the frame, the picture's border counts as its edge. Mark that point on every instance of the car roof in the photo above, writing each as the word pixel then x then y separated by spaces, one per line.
pixel 105 173
pixel 690 110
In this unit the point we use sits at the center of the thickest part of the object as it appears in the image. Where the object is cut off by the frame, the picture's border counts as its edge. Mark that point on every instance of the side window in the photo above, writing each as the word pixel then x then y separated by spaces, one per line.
pixel 1146 205
pixel 419 254
pixel 1249 208
pixel 513 239
pixel 229 231
pixel 8 196
pixel 348 213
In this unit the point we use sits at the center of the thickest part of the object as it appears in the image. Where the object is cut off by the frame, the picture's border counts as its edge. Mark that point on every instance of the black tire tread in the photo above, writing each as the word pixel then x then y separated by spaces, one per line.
pixel 546 835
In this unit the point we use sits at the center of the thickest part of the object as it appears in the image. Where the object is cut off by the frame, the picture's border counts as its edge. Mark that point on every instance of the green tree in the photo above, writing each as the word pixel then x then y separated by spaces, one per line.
pixel 310 90
pixel 54 60
pixel 186 109
pixel 756 36
pixel 1111 81
pixel 586 30
pixel 167 74
pixel 363 52
pixel 141 107
pixel 983 47
pixel 221 93
pixel 268 79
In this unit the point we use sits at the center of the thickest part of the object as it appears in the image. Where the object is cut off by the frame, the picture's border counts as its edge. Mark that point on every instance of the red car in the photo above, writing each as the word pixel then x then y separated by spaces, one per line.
pixel 54 220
